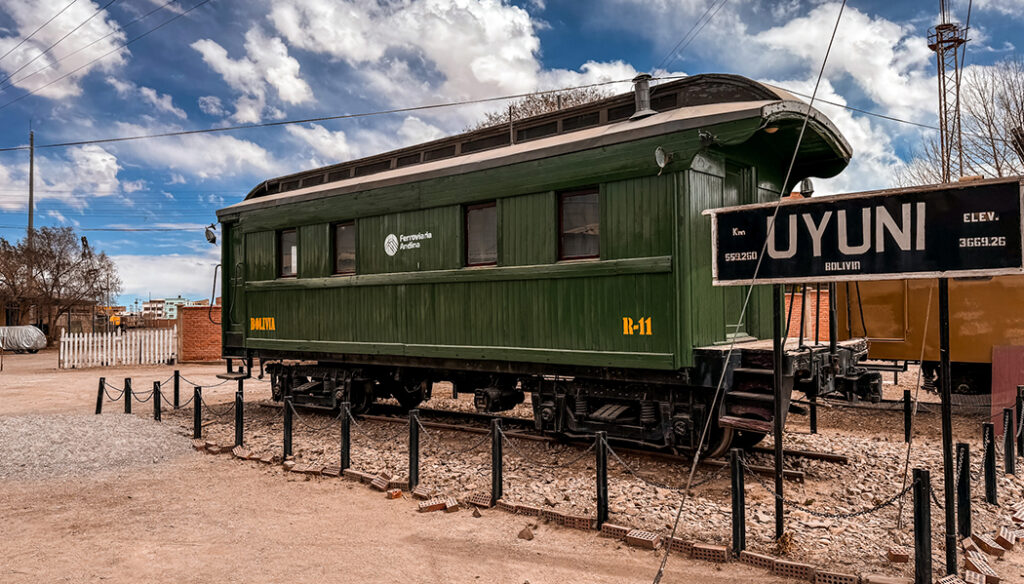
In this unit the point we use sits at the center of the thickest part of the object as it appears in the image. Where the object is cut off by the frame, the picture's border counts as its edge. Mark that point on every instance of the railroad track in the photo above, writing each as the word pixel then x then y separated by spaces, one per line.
pixel 429 417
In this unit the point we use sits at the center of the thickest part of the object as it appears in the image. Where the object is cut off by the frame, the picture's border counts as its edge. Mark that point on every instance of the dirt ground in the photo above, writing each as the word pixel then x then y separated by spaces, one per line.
pixel 200 518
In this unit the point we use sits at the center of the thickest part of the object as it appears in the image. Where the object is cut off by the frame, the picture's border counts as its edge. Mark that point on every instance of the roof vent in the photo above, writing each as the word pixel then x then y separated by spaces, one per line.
pixel 642 94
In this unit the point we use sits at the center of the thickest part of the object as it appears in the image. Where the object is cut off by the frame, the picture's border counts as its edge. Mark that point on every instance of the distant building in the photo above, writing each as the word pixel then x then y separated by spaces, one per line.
pixel 153 308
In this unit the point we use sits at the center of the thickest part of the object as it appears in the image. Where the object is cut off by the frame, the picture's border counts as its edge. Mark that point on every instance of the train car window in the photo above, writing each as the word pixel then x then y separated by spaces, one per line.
pixel 578 225
pixel 345 248
pixel 288 249
pixel 482 234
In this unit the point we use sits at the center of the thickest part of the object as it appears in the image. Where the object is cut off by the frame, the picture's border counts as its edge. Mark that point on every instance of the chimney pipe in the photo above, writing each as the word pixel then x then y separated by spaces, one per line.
pixel 642 94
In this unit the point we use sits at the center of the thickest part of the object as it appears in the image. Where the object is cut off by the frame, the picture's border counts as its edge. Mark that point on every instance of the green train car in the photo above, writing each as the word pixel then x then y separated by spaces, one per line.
pixel 564 256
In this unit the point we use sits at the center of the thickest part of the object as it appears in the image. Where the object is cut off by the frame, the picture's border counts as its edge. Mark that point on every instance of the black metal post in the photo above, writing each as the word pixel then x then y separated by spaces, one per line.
pixel 948 477
pixel 963 490
pixel 988 437
pixel 602 477
pixel 739 502
pixel 239 418
pixel 99 396
pixel 127 395
pixel 833 322
pixel 414 448
pixel 156 401
pixel 922 527
pixel 814 410
pixel 177 389
pixel 778 349
pixel 908 414
pixel 197 412
pixel 287 426
pixel 1009 431
pixel 1020 420
pixel 346 435
pixel 496 452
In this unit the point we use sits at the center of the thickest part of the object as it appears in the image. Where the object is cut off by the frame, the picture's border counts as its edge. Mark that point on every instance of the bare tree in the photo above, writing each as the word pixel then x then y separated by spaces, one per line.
pixel 991 106
pixel 533 105
pixel 56 272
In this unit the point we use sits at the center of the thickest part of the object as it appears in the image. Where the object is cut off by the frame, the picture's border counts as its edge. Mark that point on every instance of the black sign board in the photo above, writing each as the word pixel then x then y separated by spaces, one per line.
pixel 964 229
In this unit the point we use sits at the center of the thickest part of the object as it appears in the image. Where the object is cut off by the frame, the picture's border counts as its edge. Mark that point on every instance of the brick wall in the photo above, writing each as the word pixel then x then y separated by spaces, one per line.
pixel 821 314
pixel 198 338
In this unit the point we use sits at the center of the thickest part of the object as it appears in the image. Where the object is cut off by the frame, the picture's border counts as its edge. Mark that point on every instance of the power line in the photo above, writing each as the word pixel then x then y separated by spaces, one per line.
pixel 665 60
pixel 121 28
pixel 312 120
pixel 60 40
pixel 112 229
pixel 674 53
pixel 104 55
pixel 33 33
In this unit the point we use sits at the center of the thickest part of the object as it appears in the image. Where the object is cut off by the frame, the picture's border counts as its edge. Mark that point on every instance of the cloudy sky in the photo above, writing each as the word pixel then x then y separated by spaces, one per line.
pixel 199 64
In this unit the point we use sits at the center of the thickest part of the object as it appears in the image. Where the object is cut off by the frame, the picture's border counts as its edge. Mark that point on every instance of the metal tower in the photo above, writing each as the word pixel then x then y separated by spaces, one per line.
pixel 946 39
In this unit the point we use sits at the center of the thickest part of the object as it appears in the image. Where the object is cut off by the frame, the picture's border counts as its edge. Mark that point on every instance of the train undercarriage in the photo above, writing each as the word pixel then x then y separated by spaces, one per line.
pixel 667 410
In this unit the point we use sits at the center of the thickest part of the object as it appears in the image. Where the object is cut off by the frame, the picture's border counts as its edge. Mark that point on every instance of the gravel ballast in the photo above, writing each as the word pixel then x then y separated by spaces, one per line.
pixel 53 446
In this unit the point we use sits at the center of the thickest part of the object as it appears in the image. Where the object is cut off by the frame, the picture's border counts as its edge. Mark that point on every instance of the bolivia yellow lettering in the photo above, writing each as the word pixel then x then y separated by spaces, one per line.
pixel 262 324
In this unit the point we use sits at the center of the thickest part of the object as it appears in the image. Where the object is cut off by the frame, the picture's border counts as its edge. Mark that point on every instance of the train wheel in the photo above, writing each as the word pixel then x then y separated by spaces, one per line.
pixel 719 442
pixel 361 397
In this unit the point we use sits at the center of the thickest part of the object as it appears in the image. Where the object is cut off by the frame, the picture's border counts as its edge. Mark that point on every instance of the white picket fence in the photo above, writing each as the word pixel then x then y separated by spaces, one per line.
pixel 134 347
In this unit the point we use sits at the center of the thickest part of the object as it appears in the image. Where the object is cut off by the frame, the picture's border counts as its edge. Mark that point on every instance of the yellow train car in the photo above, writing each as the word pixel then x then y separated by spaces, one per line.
pixel 898 321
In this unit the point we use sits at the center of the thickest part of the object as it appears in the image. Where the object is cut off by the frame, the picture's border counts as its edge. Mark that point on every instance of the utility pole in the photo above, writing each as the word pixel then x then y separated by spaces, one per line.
pixel 31 182
pixel 946 39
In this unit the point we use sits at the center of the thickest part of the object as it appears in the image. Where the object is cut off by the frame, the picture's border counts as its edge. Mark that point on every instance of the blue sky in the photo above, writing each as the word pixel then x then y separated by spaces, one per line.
pixel 230 62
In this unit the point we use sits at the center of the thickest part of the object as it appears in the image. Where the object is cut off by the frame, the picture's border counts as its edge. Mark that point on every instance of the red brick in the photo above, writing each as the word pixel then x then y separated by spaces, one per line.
pixel 480 500
pixel 551 515
pixel 835 578
pixel 393 493
pixel 199 339
pixel 506 507
pixel 762 561
pixel 643 539
pixel 268 459
pixel 380 483
pixel 529 510
pixel 612 530
pixel 988 545
pixel 432 505
pixel 331 471
pixel 681 546
pixel 451 505
pixel 395 484
pixel 898 555
pixel 950 579
pixel 972 577
pixel 240 452
pixel 710 553
pixel 977 562
pixel 1006 538
pixel 421 492
pixel 794 570
pixel 1018 517
pixel 578 521
pixel 199 444
pixel 213 449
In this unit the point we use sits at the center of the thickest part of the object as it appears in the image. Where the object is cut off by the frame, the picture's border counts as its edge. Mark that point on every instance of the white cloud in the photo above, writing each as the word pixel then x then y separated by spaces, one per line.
pixel 84 173
pixel 431 50
pixel 211 105
pixel 27 15
pixel 61 218
pixel 1006 7
pixel 266 63
pixel 204 155
pixel 176 179
pixel 160 102
pixel 330 147
pixel 133 186
pixel 190 275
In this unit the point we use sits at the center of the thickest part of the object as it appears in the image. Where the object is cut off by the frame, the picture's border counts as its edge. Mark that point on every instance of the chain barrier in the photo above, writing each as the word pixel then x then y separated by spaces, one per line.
pixel 148 394
pixel 437 444
pixel 106 386
pixel 309 426
pixel 522 454
pixel 194 384
pixel 221 414
pixel 360 429
pixel 825 515
pixel 935 498
pixel 651 483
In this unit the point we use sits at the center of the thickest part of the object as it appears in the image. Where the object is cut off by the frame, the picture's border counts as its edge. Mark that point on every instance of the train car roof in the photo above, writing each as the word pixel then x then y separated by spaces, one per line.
pixel 713 99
